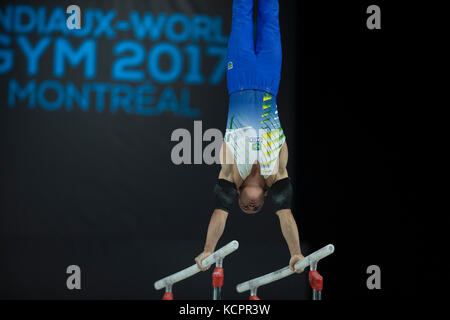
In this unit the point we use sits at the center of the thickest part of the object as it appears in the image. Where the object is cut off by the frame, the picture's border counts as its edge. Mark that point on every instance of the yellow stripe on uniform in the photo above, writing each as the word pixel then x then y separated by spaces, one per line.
pixel 269 152
pixel 268 144
pixel 268 162
pixel 268 135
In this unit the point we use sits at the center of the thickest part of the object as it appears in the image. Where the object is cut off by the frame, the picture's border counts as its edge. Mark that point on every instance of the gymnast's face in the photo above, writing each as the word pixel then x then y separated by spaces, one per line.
pixel 251 199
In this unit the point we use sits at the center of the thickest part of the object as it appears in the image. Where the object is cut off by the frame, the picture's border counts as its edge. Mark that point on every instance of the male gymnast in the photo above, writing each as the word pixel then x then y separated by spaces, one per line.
pixel 254 154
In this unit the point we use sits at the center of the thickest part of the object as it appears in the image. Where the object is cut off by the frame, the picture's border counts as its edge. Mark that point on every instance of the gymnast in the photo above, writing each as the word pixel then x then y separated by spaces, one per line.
pixel 254 154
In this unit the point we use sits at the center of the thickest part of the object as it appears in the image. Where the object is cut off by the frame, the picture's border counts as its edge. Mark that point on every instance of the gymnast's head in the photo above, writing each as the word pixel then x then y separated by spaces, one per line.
pixel 252 192
pixel 251 198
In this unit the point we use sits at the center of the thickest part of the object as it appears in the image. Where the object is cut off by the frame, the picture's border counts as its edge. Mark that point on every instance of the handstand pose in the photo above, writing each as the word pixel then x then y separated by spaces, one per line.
pixel 254 154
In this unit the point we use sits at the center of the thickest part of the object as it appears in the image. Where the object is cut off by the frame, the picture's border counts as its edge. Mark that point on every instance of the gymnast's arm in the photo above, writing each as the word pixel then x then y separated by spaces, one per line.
pixel 225 194
pixel 290 234
pixel 218 218
pixel 215 231
pixel 281 196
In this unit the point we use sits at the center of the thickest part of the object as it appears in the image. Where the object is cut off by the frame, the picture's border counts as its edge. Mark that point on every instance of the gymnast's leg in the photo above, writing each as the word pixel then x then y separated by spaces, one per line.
pixel 241 46
pixel 268 44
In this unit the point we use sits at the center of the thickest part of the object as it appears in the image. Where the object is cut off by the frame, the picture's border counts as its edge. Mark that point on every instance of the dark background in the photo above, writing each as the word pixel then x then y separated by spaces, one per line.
pixel 100 190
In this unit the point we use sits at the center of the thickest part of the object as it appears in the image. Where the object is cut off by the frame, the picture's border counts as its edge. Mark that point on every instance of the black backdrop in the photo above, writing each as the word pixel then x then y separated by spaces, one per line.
pixel 99 189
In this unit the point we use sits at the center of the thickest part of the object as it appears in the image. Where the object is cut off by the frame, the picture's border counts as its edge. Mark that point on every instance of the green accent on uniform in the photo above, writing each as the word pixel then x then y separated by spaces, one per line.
pixel 231 122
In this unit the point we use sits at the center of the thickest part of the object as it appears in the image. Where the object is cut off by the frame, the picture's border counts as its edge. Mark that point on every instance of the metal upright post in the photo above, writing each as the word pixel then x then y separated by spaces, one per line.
pixel 253 295
pixel 168 295
pixel 217 280
pixel 316 281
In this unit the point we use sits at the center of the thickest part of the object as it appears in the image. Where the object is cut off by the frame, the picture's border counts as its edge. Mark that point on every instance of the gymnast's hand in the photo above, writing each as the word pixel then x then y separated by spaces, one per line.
pixel 200 258
pixel 294 259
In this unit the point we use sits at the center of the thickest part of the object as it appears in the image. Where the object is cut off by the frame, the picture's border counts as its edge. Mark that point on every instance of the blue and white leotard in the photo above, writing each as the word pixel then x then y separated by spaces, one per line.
pixel 254 131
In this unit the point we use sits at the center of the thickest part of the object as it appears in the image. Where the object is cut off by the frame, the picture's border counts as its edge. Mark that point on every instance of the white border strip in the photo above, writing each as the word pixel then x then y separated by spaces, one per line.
pixel 286 271
pixel 190 271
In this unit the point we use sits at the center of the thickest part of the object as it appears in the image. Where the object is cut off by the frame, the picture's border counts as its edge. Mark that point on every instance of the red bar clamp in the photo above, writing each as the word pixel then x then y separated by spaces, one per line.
pixel 315 280
pixel 168 296
pixel 217 277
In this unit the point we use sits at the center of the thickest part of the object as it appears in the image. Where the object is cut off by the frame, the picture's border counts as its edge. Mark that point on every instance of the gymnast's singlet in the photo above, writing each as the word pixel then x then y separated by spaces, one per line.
pixel 254 131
